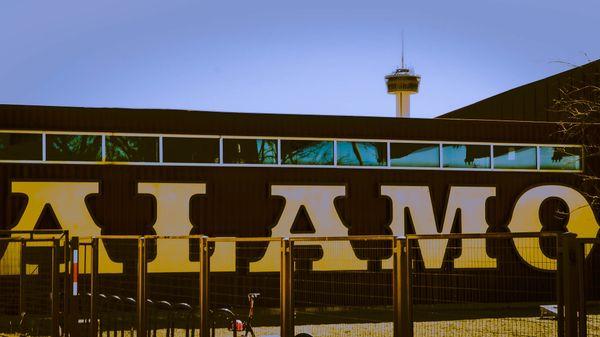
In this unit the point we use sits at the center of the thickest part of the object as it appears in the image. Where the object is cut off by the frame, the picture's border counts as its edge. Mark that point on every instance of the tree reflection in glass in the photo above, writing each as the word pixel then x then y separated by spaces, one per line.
pixel 560 158
pixel 131 149
pixel 306 152
pixel 74 147
pixel 361 153
pixel 250 151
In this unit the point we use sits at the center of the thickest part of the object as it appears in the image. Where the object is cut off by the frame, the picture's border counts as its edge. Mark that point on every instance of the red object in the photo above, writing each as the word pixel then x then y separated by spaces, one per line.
pixel 238 325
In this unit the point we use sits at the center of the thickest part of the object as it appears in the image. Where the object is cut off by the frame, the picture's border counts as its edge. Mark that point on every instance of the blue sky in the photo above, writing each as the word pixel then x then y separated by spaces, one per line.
pixel 309 57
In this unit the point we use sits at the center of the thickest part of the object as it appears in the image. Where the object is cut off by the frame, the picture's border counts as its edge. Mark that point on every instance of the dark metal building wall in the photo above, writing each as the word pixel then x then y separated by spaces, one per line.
pixel 213 123
pixel 532 101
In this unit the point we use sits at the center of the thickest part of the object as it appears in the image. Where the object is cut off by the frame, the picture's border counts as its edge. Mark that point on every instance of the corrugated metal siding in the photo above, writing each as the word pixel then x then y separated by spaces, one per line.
pixel 237 202
pixel 532 101
pixel 212 123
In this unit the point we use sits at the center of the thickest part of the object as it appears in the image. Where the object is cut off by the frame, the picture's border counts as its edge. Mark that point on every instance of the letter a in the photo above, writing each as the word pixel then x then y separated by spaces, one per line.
pixel 318 201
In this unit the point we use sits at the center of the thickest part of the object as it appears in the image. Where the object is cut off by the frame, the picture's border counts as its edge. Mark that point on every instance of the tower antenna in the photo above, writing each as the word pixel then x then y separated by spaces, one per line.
pixel 403 49
pixel 402 83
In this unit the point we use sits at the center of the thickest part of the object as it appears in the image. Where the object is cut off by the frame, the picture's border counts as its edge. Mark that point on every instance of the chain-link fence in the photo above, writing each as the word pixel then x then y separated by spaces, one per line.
pixel 343 286
pixel 33 281
pixel 502 284
pixel 484 285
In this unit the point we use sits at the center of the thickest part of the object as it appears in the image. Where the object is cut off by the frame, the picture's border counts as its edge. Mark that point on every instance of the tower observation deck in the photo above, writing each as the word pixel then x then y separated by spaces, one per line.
pixel 402 83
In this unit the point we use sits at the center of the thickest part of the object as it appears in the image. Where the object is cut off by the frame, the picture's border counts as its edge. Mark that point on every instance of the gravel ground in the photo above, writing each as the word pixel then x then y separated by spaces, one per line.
pixel 505 327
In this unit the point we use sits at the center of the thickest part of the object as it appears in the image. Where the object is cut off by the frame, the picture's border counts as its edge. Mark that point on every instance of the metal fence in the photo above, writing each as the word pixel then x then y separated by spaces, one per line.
pixel 33 280
pixel 421 285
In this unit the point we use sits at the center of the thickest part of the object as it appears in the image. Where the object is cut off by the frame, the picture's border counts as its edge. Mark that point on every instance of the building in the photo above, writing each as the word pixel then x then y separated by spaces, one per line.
pixel 495 166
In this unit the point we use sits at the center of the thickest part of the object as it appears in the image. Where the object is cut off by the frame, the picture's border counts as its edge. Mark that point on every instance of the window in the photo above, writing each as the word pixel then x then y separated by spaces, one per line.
pixel 131 149
pixel 515 157
pixel 190 150
pixel 361 153
pixel 415 155
pixel 250 151
pixel 307 152
pixel 73 148
pixel 560 158
pixel 20 146
pixel 466 156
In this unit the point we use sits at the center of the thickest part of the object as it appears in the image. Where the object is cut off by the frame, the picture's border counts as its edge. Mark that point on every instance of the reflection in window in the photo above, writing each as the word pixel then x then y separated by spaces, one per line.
pixel 306 152
pixel 250 151
pixel 361 153
pixel 132 149
pixel 466 156
pixel 515 157
pixel 415 155
pixel 74 147
pixel 560 158
pixel 20 146
pixel 190 150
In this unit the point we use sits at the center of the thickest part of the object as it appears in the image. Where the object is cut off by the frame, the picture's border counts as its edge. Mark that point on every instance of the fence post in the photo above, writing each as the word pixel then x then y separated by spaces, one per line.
pixel 94 285
pixel 72 288
pixel 580 251
pixel 204 295
pixel 141 287
pixel 568 273
pixel 22 274
pixel 55 285
pixel 66 285
pixel 286 288
pixel 401 289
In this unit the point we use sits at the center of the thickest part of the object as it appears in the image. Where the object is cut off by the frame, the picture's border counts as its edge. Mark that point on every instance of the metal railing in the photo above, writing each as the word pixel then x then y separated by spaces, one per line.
pixel 525 284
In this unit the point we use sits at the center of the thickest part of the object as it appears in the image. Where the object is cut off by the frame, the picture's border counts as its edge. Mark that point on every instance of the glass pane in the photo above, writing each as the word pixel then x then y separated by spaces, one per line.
pixel 415 155
pixel 250 151
pixel 190 150
pixel 466 156
pixel 73 148
pixel 514 157
pixel 560 158
pixel 361 153
pixel 307 152
pixel 132 149
pixel 20 146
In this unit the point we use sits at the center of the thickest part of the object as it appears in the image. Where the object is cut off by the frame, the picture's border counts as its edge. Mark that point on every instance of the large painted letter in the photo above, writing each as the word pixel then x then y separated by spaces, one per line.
pixel 525 218
pixel 318 201
pixel 67 200
pixel 417 200
pixel 173 219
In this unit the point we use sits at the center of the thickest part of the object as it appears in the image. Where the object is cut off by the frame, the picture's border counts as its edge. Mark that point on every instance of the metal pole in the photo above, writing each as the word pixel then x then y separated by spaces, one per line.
pixel 401 289
pixel 204 280
pixel 66 284
pixel 141 288
pixel 22 274
pixel 570 283
pixel 560 317
pixel 94 285
pixel 581 288
pixel 286 288
pixel 55 285
pixel 73 289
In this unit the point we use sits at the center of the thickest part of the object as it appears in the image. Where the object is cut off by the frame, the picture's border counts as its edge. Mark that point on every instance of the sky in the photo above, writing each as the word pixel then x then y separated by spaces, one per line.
pixel 278 56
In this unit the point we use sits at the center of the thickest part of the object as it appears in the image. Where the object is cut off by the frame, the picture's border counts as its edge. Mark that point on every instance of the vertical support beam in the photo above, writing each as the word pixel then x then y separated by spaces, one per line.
pixel 73 288
pixel 560 298
pixel 286 279
pixel 580 250
pixel 204 294
pixel 22 275
pixel 568 260
pixel 141 287
pixel 66 252
pixel 401 289
pixel 94 285
pixel 55 287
